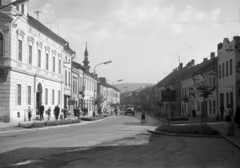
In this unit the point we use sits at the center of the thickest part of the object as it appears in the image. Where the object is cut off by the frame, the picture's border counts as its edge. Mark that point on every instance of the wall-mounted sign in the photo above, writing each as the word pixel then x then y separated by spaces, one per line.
pixel 169 95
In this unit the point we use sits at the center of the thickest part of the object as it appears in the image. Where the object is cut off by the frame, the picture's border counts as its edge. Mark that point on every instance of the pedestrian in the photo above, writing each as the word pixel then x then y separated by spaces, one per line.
pixel 49 113
pixel 56 112
pixel 29 111
pixel 41 110
pixel 237 117
pixel 143 117
pixel 222 111
pixel 229 113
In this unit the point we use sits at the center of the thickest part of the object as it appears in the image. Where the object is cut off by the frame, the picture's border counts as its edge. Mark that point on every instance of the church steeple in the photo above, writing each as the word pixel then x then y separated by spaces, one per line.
pixel 85 61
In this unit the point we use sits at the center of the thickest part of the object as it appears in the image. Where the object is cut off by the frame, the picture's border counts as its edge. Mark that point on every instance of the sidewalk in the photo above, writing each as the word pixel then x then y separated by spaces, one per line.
pixel 216 125
pixel 13 127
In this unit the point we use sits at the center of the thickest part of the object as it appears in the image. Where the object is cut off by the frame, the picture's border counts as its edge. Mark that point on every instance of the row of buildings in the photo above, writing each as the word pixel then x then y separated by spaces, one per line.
pixel 38 67
pixel 200 88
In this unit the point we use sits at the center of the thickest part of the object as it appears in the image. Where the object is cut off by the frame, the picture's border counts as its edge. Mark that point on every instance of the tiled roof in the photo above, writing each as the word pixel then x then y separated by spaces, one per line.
pixel 4 16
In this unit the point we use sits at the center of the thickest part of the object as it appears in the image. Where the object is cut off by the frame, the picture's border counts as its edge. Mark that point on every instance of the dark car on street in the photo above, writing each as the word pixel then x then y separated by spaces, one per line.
pixel 129 111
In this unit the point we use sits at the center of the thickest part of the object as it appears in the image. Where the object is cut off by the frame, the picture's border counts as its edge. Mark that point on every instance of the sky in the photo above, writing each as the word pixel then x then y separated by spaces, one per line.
pixel 144 39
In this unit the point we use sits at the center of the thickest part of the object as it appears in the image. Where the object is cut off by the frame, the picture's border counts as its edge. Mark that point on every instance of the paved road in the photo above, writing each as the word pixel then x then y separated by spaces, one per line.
pixel 22 146
pixel 118 142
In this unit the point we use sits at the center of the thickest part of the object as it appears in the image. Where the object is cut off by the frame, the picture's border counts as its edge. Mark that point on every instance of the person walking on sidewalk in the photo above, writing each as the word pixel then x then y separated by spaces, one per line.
pixel 29 111
pixel 143 117
pixel 222 111
pixel 49 113
pixel 56 112
pixel 229 113
pixel 41 110
pixel 237 117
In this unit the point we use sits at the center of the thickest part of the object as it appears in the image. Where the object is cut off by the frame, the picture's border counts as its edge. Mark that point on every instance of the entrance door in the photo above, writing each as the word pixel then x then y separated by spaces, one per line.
pixel 38 98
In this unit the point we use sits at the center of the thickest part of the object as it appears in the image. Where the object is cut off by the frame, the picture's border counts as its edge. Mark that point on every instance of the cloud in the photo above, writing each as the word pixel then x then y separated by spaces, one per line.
pixel 48 8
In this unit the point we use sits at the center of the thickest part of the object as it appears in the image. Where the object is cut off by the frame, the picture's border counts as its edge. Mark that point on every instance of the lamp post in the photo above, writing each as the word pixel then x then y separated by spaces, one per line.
pixel 107 62
pixel 120 80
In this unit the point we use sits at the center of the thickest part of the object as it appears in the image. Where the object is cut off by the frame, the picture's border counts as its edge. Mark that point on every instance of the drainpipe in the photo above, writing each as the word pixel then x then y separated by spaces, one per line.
pixel 71 98
pixel 34 88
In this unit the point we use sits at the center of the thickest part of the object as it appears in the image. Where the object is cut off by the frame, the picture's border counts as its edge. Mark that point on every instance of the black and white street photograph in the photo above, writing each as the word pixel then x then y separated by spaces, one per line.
pixel 119 84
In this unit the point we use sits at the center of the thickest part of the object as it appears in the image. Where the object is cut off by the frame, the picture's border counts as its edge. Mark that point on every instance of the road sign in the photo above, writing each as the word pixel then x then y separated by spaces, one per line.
pixel 169 95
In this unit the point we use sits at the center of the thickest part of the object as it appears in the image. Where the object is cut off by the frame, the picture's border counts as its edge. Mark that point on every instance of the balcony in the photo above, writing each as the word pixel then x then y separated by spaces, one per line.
pixel 4 67
pixel 4 62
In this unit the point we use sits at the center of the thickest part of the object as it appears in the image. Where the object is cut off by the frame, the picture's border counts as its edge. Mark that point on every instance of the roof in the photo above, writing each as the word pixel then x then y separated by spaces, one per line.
pixel 39 26
pixel 5 17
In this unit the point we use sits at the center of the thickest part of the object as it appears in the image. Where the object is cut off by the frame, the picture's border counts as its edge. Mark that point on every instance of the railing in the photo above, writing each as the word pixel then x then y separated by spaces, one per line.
pixel 4 61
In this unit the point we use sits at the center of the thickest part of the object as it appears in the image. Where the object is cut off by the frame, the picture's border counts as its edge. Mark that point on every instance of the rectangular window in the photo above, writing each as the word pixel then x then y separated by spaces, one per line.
pixel 210 107
pixel 19 50
pixel 219 70
pixel 59 66
pixel 65 77
pixel 47 60
pixel 19 94
pixel 69 79
pixel 231 99
pixel 223 69
pixel 46 96
pixel 231 67
pixel 39 58
pixel 53 64
pixel 22 8
pixel 17 7
pixel 214 107
pixel 53 97
pixel 29 95
pixel 59 97
pixel 226 68
pixel 30 55
pixel 227 97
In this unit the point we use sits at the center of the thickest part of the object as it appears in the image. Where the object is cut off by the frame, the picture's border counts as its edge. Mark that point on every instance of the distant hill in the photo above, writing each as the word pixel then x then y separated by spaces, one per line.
pixel 131 86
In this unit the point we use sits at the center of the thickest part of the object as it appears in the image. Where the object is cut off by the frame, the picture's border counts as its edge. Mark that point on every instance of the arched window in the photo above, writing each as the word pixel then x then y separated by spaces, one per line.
pixel 1 45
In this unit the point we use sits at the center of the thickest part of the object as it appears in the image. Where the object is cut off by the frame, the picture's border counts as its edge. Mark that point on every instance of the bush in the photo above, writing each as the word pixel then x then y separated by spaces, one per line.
pixel 76 121
pixel 38 124
pixel 51 123
pixel 187 129
pixel 179 119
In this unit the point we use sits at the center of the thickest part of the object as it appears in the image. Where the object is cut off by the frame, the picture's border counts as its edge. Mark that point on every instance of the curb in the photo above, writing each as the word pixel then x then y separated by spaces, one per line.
pixel 183 135
pixel 233 143
pixel 59 126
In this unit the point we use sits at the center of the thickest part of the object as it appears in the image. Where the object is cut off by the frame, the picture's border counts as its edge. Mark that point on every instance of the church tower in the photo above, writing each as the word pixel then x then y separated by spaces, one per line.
pixel 85 61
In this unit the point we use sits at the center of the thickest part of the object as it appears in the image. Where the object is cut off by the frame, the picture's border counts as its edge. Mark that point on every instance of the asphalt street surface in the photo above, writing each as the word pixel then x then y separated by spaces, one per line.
pixel 121 141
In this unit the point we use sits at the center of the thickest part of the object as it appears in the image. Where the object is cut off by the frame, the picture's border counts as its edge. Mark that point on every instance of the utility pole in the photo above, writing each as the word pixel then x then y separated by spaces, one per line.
pixel 37 13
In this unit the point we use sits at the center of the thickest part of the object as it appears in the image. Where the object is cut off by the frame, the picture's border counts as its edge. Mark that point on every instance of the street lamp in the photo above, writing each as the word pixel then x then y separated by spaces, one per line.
pixel 120 80
pixel 107 62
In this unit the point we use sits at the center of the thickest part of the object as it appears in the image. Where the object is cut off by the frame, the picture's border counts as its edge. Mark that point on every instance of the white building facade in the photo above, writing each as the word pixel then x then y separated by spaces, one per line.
pixel 31 65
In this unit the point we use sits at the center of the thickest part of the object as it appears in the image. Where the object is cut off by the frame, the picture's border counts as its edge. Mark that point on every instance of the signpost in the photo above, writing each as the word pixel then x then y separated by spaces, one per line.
pixel 169 95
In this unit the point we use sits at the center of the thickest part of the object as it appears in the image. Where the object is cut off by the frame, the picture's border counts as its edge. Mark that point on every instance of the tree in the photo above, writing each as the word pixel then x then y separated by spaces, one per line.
pixel 98 100
pixel 205 90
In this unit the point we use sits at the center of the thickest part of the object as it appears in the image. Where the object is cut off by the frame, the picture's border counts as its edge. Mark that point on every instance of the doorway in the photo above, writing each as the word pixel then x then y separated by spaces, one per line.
pixel 38 98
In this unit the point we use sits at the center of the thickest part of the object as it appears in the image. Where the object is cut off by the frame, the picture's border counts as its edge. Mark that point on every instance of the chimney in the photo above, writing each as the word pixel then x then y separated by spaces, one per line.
pixel 193 62
pixel 181 65
pixel 205 59
pixel 103 80
pixel 212 55
pixel 219 46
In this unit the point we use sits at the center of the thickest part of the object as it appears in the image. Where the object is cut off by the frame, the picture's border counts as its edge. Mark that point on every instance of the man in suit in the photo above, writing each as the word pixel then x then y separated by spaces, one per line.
pixel 56 112
pixel 41 110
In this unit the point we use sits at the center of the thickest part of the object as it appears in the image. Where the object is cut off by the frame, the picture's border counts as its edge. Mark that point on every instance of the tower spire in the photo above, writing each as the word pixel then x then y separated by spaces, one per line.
pixel 85 61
